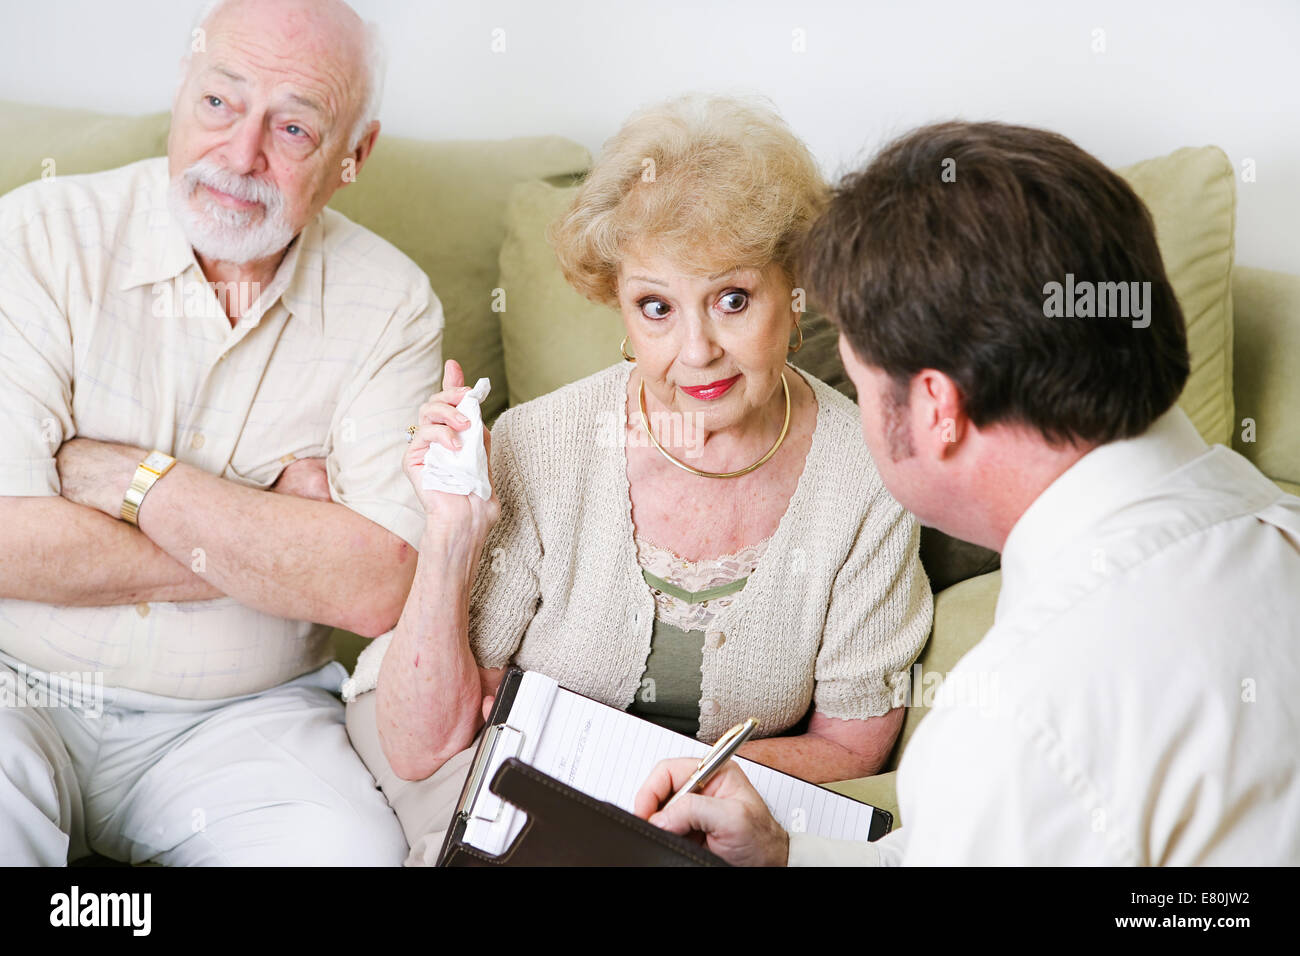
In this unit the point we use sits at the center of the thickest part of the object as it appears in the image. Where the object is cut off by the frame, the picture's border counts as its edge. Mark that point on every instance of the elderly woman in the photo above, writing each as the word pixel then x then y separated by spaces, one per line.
pixel 727 551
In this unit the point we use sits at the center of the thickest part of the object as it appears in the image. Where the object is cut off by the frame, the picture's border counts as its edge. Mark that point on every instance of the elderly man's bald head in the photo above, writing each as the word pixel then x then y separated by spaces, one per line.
pixel 274 114
pixel 327 32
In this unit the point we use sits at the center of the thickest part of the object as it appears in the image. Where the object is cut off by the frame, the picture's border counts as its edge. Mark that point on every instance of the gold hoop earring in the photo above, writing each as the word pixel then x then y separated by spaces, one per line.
pixel 797 347
pixel 623 348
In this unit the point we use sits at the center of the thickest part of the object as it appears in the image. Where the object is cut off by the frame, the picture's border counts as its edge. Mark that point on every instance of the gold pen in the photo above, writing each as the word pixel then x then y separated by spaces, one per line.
pixel 722 751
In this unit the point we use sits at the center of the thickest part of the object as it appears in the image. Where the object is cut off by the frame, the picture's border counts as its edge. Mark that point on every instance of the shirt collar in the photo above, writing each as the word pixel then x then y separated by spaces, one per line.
pixel 304 269
pixel 297 281
pixel 1096 485
pixel 161 252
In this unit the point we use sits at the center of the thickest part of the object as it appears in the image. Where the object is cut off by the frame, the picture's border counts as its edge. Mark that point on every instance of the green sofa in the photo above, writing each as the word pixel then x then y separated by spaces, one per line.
pixel 472 214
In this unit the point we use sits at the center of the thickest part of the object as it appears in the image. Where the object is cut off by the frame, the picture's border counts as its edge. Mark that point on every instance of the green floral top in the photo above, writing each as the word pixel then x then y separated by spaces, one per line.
pixel 688 596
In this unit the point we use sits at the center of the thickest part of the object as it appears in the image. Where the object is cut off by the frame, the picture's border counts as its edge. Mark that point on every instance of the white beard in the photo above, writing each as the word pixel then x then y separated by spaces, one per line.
pixel 229 235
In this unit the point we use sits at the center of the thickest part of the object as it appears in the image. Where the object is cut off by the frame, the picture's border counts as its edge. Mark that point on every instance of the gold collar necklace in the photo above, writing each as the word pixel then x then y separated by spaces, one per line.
pixel 645 423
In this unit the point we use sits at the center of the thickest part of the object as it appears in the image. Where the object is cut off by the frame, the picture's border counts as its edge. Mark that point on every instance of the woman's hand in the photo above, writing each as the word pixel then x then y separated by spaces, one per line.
pixel 453 514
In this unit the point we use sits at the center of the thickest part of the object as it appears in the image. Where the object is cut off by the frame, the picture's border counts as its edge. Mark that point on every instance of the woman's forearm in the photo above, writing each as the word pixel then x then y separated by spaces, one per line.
pixel 814 758
pixel 429 699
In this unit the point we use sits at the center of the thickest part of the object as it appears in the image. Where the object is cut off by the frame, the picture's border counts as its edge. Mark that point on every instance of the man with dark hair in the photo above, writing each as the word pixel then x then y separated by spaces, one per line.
pixel 1017 350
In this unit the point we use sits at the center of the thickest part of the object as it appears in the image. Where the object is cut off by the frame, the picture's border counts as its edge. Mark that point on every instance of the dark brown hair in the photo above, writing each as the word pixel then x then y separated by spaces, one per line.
pixel 939 254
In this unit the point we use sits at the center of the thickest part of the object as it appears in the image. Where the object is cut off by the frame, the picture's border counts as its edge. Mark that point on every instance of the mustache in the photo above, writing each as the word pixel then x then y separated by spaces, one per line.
pixel 247 188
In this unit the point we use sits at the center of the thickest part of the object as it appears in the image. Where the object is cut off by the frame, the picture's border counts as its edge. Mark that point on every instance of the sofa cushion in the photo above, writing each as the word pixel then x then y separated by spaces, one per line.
pixel 1192 197
pixel 347 647
pixel 1266 381
pixel 40 140
pixel 442 203
pixel 551 334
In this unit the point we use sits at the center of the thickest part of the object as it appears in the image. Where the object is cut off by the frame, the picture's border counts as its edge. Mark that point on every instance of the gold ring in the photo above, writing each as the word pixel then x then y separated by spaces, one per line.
pixel 410 432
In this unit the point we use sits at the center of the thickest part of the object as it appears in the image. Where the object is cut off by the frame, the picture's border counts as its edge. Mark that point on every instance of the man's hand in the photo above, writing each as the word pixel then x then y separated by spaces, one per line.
pixel 305 478
pixel 97 474
pixel 729 812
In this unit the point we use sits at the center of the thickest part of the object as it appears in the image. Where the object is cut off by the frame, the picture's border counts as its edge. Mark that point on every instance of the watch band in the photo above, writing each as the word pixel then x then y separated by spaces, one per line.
pixel 155 465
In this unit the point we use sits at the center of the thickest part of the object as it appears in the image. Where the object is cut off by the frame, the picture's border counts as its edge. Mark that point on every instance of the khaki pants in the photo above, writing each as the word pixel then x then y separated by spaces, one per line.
pixel 260 779
pixel 423 807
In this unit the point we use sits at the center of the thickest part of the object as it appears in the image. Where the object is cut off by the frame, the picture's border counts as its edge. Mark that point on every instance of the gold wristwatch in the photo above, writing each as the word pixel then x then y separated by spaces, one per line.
pixel 155 465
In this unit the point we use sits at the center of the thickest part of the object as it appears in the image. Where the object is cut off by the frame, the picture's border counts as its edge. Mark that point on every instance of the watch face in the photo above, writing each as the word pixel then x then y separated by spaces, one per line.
pixel 157 461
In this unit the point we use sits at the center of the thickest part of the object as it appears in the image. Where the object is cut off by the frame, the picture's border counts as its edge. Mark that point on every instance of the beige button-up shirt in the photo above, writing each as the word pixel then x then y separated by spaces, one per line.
pixel 109 330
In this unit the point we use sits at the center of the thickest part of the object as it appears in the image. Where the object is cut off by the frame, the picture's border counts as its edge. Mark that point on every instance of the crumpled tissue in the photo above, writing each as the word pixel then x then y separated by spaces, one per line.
pixel 465 470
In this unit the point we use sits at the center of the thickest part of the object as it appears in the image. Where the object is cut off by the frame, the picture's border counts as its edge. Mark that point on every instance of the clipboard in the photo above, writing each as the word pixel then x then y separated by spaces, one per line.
pixel 565 826
pixel 557 813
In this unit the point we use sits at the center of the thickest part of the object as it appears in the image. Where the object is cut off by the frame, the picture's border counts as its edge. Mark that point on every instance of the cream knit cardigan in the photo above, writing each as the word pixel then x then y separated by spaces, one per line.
pixel 835 613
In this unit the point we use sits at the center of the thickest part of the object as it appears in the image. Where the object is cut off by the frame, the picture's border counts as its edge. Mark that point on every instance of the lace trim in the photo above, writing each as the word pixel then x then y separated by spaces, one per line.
pixel 696 576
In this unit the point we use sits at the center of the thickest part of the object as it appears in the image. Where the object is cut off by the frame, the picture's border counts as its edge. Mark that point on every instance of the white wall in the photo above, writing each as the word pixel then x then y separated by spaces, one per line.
pixel 1172 74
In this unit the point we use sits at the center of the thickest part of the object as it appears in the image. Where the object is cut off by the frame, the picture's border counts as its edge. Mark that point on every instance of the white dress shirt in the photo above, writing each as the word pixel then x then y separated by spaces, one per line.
pixel 1135 701
pixel 109 330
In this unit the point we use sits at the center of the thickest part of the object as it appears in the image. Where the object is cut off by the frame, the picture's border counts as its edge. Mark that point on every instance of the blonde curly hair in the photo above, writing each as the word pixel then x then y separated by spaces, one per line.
pixel 712 183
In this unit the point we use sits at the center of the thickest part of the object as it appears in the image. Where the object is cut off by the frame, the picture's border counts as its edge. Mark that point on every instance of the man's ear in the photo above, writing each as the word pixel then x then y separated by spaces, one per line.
pixel 937 401
pixel 353 162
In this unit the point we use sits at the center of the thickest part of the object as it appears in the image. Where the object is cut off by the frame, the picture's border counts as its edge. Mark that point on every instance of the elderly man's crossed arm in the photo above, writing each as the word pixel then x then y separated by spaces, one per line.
pixel 289 551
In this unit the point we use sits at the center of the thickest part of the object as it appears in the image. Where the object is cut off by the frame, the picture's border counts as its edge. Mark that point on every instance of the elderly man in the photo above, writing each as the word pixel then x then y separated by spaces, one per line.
pixel 206 377
pixel 1145 657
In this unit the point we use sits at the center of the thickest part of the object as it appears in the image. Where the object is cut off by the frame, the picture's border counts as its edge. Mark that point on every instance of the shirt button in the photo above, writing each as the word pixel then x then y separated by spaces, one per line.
pixel 142 609
pixel 716 638
pixel 196 441
pixel 708 707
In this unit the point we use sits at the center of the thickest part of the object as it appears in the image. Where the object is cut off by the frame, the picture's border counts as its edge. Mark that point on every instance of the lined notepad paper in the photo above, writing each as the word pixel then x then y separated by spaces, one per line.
pixel 608 754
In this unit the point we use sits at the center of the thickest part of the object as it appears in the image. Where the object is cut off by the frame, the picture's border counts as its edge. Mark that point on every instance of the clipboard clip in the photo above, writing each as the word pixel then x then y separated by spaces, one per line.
pixel 495 734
